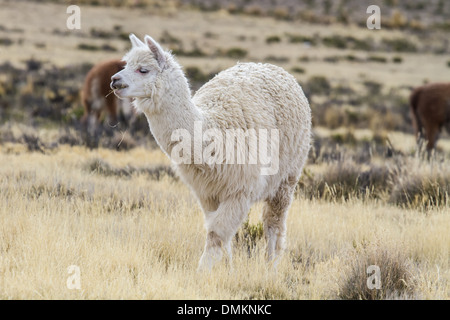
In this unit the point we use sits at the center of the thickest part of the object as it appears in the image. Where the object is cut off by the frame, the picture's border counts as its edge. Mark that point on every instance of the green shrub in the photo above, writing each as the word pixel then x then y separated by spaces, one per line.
pixel 378 59
pixel 304 59
pixel 397 59
pixel 5 42
pixel 335 41
pixel 103 34
pixel 276 59
pixel 108 47
pixel 347 42
pixel 235 53
pixel 445 26
pixel 318 85
pixel 89 47
pixel 399 45
pixel 195 52
pixel 195 74
pixel 168 38
pixel 298 70
pixel 297 38
pixel 373 88
pixel 358 44
pixel 273 39
pixel 332 59
pixel 347 138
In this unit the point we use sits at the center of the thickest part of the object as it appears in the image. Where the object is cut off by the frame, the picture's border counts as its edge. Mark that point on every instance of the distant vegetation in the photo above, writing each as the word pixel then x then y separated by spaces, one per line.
pixel 404 15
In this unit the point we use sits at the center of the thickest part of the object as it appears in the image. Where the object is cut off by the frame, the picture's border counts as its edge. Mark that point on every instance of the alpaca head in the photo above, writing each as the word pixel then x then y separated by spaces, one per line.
pixel 145 64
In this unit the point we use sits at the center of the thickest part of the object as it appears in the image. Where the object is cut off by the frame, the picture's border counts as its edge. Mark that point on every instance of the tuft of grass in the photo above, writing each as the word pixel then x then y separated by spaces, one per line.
pixel 33 142
pixel 395 275
pixel 345 179
pixel 249 235
pixel 420 184
pixel 401 180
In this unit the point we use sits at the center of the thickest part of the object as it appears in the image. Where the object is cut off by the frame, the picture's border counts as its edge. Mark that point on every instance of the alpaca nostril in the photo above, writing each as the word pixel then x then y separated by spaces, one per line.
pixel 116 84
pixel 113 84
pixel 114 80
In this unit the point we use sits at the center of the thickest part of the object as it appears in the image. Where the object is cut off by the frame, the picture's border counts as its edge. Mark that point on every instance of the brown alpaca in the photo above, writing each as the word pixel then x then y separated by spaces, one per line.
pixel 430 109
pixel 96 94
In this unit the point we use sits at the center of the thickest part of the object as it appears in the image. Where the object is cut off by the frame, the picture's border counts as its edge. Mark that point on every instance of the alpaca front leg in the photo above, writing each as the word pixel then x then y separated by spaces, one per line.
pixel 275 213
pixel 221 226
pixel 212 252
pixel 275 234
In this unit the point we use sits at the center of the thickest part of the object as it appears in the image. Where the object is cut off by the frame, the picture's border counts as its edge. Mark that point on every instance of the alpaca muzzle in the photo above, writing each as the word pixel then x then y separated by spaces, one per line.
pixel 116 84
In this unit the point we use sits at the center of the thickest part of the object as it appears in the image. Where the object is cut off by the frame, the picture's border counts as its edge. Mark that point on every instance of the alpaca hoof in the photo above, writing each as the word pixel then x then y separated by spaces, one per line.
pixel 209 258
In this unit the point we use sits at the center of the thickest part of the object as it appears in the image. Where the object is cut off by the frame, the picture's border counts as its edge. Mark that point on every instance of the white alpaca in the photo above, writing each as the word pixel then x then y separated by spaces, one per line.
pixel 248 96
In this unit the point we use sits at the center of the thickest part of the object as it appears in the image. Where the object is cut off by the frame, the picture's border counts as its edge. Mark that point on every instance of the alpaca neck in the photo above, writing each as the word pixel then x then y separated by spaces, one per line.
pixel 171 109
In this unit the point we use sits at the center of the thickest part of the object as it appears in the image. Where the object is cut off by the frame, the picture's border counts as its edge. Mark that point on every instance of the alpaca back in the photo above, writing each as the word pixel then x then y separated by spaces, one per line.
pixel 430 105
pixel 254 96
pixel 95 94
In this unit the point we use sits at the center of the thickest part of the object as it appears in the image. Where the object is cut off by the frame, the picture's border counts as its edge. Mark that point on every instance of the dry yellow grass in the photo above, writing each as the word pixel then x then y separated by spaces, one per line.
pixel 139 238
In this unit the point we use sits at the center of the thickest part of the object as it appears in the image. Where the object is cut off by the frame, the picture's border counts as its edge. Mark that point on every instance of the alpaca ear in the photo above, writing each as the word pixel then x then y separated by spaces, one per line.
pixel 157 51
pixel 135 41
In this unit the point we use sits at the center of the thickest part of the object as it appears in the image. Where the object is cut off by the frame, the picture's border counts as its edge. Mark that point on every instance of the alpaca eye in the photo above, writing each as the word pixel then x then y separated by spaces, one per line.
pixel 142 70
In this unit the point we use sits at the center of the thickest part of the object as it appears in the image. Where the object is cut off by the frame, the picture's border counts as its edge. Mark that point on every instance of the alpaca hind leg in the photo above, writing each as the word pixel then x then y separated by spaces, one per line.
pixel 221 226
pixel 432 137
pixel 274 218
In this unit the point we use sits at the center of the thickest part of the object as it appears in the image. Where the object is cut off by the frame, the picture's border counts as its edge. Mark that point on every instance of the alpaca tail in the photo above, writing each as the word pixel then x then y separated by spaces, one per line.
pixel 413 103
